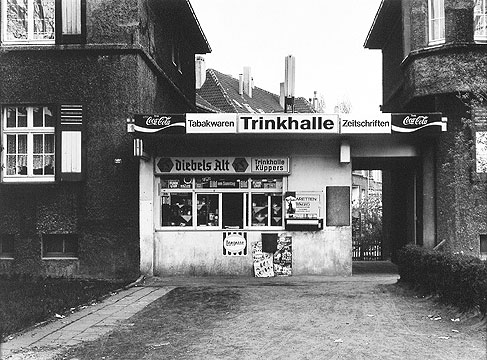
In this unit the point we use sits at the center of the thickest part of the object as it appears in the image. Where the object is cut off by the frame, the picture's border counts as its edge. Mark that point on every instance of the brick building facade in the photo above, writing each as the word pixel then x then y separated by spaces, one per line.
pixel 70 78
pixel 434 60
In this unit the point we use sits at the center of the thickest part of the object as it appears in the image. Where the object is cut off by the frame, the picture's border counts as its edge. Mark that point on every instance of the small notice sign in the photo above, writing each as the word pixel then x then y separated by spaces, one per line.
pixel 303 205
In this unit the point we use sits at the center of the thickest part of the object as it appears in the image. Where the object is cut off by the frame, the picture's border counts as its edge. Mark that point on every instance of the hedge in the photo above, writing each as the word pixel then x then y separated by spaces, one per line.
pixel 456 279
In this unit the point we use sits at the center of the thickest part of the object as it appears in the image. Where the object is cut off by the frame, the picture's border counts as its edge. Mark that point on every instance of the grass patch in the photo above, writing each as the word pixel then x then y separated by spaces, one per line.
pixel 26 301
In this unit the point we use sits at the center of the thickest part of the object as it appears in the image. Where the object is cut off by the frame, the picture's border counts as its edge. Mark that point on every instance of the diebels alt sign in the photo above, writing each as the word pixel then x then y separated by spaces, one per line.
pixel 428 122
pixel 167 123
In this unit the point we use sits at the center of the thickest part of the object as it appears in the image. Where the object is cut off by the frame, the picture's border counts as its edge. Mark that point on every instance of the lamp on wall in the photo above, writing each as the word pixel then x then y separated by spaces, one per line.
pixel 344 151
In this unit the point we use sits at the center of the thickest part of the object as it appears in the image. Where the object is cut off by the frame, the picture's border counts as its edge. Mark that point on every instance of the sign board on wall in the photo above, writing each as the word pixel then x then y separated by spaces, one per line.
pixel 363 124
pixel 203 123
pixel 303 205
pixel 222 165
pixel 154 123
pixel 288 123
pixel 427 122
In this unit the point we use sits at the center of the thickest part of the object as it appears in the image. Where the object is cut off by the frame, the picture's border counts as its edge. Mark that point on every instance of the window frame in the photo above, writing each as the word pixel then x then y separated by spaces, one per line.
pixel 30 131
pixel 30 27
pixel 247 203
pixel 432 22
pixel 7 255
pixel 64 254
pixel 482 14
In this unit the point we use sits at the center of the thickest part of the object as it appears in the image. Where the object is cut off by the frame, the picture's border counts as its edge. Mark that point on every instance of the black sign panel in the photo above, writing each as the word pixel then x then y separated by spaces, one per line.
pixel 157 123
pixel 424 123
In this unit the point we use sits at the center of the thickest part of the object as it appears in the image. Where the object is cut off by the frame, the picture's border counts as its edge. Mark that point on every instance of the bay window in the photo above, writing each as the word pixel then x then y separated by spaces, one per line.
pixel 215 202
pixel 480 20
pixel 43 21
pixel 436 23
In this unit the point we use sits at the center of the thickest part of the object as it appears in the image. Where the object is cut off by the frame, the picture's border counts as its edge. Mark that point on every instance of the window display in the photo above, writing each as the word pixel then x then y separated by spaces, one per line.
pixel 221 202
pixel 208 209
pixel 177 209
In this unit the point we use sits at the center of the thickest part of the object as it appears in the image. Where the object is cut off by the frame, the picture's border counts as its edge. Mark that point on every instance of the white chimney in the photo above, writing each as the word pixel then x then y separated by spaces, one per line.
pixel 240 84
pixel 200 71
pixel 315 100
pixel 247 81
pixel 281 95
pixel 289 71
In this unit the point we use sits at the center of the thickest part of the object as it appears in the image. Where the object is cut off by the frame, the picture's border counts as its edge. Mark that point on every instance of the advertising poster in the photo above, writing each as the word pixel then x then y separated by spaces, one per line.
pixel 283 256
pixel 262 261
pixel 303 205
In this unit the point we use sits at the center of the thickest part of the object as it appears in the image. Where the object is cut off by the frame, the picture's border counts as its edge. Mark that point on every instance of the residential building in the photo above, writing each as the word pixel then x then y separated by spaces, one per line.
pixel 434 60
pixel 72 72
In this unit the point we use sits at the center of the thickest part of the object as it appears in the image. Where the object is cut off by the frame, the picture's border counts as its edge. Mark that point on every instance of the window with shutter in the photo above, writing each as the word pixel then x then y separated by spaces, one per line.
pixel 70 21
pixel 70 136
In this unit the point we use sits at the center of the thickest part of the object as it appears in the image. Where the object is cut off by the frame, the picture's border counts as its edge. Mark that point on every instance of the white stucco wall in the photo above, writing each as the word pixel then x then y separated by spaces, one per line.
pixel 324 252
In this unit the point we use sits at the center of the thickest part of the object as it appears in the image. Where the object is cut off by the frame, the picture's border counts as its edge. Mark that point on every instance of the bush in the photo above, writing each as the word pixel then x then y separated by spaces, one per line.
pixel 457 279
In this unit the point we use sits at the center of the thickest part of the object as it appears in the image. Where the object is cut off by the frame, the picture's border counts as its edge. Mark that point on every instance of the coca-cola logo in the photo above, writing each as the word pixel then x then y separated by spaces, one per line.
pixel 158 121
pixel 415 120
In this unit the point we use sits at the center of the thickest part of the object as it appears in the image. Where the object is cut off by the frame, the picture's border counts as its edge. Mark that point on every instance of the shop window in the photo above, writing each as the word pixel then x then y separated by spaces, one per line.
pixel 6 246
pixel 59 245
pixel 208 206
pixel 177 209
pixel 43 21
pixel 436 23
pixel 221 202
pixel 480 20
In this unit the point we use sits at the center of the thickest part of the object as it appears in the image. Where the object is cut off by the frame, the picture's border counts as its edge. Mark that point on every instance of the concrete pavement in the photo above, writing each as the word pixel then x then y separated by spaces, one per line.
pixel 89 323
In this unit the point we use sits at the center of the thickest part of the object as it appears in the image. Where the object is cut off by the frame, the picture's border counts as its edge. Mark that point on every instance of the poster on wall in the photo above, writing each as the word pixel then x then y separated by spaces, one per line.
pixel 283 263
pixel 303 205
pixel 263 262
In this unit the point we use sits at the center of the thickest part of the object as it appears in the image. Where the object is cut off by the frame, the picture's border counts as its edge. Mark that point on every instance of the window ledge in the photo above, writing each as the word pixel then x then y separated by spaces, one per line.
pixel 2 257
pixel 59 258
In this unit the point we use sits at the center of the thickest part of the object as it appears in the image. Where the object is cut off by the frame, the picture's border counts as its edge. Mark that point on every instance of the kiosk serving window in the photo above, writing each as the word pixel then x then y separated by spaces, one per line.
pixel 221 202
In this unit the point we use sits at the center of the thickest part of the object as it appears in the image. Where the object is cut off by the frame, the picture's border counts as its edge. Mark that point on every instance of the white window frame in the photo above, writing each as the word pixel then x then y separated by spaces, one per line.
pixel 247 206
pixel 480 21
pixel 30 131
pixel 436 23
pixel 30 26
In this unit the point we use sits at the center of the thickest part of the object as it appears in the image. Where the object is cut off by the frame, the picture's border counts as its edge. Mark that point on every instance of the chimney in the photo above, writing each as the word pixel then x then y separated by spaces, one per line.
pixel 240 84
pixel 289 70
pixel 247 81
pixel 315 100
pixel 200 71
pixel 281 96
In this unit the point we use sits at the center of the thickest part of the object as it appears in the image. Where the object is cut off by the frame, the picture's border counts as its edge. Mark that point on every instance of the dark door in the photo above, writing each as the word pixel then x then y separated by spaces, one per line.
pixel 232 210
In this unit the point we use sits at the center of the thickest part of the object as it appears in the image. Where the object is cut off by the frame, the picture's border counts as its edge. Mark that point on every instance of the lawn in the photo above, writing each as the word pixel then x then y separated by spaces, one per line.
pixel 26 301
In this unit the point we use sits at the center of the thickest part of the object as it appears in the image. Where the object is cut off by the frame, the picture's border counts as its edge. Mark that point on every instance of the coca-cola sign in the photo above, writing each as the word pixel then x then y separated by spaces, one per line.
pixel 154 123
pixel 428 122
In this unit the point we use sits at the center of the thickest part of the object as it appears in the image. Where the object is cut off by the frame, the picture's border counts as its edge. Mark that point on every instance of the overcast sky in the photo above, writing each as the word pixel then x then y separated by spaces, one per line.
pixel 325 36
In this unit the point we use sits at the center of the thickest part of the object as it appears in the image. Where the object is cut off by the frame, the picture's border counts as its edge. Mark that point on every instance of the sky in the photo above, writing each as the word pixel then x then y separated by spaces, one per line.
pixel 326 37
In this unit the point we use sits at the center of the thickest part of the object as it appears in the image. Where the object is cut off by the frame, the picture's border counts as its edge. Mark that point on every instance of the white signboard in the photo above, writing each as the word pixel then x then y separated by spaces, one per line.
pixel 481 151
pixel 202 123
pixel 363 124
pixel 288 123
